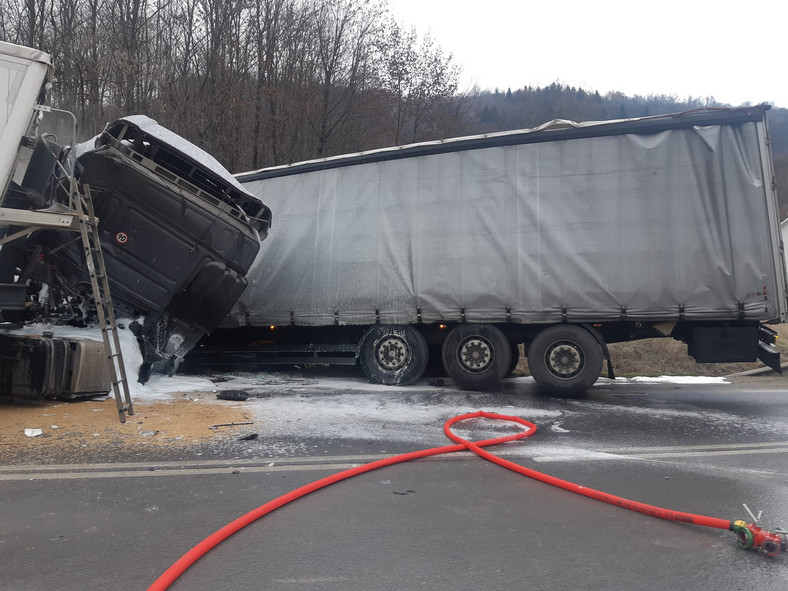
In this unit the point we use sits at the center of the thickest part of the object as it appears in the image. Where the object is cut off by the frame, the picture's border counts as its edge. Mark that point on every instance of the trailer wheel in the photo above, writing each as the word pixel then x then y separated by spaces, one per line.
pixel 476 356
pixel 565 359
pixel 393 355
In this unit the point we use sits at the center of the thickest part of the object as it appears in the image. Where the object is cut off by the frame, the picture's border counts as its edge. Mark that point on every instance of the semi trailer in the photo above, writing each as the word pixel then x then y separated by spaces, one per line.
pixel 562 239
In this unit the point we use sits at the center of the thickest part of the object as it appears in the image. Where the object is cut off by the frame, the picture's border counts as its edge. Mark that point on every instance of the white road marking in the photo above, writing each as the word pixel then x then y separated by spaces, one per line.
pixel 337 463
pixel 146 473
pixel 623 454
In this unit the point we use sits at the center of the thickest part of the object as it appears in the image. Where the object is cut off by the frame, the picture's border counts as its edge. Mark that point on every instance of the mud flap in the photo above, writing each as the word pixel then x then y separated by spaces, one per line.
pixel 605 351
pixel 767 353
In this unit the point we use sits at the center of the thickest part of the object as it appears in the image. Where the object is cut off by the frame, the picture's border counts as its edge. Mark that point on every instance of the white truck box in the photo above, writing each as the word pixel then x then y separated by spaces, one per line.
pixel 23 73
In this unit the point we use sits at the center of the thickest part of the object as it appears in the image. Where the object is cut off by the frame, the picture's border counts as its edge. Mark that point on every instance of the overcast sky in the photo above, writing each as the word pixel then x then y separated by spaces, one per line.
pixel 734 51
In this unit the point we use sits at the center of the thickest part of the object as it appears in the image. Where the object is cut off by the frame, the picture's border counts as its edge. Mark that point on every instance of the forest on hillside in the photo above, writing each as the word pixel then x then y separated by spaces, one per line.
pixel 265 82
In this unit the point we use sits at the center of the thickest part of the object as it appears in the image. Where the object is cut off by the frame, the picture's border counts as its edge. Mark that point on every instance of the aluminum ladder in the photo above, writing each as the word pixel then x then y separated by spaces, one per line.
pixel 88 229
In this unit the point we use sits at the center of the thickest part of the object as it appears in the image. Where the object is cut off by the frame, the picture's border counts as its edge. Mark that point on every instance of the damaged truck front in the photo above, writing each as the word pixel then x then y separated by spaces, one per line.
pixel 178 234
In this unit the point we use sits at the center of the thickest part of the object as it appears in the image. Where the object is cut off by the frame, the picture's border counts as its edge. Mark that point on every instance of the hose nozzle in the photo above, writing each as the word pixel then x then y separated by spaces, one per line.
pixel 754 537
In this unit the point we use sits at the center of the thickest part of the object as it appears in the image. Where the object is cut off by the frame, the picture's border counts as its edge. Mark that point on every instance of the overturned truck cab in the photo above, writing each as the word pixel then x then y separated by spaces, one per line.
pixel 178 235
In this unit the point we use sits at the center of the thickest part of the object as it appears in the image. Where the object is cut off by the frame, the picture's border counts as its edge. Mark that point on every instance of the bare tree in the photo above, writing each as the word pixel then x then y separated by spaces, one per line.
pixel 420 81
pixel 281 34
pixel 344 35
pixel 256 82
pixel 24 22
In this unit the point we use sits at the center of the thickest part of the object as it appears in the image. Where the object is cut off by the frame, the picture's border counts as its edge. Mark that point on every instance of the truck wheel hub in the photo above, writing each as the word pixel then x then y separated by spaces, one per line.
pixel 393 353
pixel 565 359
pixel 476 354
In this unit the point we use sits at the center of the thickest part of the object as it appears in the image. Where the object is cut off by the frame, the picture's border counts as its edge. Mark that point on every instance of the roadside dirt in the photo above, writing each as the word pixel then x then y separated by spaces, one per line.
pixel 84 428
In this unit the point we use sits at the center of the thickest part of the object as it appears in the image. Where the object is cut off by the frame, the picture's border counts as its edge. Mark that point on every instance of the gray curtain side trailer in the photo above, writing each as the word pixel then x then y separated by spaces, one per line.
pixel 562 238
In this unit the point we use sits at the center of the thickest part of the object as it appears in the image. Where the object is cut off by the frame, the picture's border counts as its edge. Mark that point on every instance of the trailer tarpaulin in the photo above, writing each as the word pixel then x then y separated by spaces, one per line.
pixel 652 226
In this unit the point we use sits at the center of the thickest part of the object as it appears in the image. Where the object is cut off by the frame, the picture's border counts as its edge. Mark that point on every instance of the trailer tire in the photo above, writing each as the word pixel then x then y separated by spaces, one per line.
pixel 393 355
pixel 476 356
pixel 565 359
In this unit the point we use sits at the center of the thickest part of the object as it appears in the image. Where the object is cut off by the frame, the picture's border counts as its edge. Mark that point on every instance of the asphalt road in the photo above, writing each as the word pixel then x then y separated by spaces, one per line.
pixel 450 522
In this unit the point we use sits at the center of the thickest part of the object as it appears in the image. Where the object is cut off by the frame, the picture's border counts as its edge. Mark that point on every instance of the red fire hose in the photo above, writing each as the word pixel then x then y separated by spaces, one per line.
pixel 749 534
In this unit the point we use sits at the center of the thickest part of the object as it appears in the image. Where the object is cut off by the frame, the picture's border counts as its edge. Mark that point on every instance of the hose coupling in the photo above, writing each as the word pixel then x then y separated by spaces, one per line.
pixel 753 537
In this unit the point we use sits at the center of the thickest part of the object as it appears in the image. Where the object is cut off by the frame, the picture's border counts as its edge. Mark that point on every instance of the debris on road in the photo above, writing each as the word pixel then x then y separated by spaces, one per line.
pixel 230 424
pixel 235 395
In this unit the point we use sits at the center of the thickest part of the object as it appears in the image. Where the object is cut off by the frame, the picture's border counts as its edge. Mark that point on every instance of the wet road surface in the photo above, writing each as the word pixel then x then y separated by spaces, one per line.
pixel 452 522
